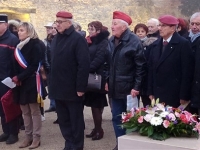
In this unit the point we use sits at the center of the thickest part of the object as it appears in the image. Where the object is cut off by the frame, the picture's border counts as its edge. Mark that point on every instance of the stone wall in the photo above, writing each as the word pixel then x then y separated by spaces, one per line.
pixel 39 12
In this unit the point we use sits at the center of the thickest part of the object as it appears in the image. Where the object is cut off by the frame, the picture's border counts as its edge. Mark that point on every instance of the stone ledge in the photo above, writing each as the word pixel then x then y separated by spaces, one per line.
pixel 137 142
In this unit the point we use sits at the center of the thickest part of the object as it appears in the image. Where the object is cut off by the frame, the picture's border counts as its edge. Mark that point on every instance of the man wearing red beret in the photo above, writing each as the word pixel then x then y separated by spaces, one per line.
pixel 68 80
pixel 171 65
pixel 126 67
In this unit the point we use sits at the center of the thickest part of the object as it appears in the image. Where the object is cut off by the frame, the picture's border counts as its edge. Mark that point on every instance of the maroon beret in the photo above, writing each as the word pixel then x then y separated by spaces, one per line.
pixel 168 19
pixel 122 16
pixel 64 14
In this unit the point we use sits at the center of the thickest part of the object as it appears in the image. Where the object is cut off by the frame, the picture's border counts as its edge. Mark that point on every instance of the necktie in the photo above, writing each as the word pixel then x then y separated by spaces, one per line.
pixel 164 45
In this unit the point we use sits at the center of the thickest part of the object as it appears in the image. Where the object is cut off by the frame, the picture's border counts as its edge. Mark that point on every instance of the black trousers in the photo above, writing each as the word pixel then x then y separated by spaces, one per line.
pixel 13 126
pixel 71 122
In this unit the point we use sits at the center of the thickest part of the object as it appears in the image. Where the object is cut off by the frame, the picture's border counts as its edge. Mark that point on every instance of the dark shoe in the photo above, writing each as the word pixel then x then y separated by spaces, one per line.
pixel 3 137
pixel 50 110
pixel 91 134
pixel 98 135
pixel 116 148
pixel 12 139
pixel 55 122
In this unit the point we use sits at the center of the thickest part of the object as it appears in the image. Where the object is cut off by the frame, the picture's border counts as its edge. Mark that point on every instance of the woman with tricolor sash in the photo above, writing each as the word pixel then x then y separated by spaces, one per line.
pixel 28 92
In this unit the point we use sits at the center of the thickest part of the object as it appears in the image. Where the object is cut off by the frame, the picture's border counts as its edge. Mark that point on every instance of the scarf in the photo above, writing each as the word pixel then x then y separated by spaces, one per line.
pixel 193 36
pixel 88 39
pixel 144 39
pixel 22 43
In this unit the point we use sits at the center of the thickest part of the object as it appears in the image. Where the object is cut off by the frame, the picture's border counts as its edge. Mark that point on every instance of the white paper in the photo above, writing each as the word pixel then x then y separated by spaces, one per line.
pixel 132 102
pixel 8 82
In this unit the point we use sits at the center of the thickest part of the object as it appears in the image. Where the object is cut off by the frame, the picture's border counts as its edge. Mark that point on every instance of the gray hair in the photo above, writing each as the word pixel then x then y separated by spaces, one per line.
pixel 124 23
pixel 30 29
pixel 154 20
pixel 197 14
pixel 77 26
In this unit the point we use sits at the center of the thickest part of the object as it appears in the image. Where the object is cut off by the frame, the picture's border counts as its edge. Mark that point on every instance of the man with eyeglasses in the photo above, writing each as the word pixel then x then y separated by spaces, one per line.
pixel 68 79
pixel 195 41
pixel 171 65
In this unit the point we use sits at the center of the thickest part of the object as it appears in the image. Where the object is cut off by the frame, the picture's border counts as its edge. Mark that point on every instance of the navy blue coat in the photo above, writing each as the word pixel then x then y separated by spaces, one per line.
pixel 171 73
pixel 195 100
pixel 70 65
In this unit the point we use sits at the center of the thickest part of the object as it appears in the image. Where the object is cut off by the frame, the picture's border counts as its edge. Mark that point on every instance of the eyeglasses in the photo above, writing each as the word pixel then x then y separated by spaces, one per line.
pixel 195 23
pixel 60 21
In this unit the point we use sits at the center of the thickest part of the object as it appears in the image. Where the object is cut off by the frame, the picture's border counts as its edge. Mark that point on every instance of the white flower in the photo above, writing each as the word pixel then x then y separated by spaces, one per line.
pixel 148 117
pixel 155 121
pixel 172 117
pixel 150 111
pixel 160 107
pixel 164 114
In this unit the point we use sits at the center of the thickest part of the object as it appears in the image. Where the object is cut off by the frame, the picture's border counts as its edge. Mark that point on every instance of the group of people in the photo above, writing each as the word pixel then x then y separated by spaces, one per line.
pixel 156 60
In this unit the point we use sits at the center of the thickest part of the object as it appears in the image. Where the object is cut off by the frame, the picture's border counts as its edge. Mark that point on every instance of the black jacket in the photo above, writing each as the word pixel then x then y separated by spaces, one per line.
pixel 195 100
pixel 127 63
pixel 170 74
pixel 27 92
pixel 8 42
pixel 97 50
pixel 69 66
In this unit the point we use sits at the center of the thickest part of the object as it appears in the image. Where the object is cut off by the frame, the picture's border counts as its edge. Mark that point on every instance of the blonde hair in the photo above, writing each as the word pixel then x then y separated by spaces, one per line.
pixel 30 29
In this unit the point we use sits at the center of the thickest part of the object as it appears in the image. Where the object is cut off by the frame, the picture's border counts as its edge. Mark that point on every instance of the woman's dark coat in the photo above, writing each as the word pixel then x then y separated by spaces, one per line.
pixel 97 50
pixel 195 100
pixel 27 92
pixel 171 73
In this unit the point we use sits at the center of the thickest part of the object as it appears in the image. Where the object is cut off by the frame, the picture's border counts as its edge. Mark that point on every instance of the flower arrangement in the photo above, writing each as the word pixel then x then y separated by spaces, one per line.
pixel 159 122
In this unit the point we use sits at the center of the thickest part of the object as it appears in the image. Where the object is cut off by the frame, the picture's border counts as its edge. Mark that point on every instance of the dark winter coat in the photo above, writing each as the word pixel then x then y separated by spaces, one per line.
pixel 69 66
pixel 127 63
pixel 195 100
pixel 27 92
pixel 8 42
pixel 97 50
pixel 170 74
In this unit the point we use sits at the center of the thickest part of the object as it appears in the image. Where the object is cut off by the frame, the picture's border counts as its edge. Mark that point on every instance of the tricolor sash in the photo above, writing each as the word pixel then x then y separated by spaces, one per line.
pixel 23 63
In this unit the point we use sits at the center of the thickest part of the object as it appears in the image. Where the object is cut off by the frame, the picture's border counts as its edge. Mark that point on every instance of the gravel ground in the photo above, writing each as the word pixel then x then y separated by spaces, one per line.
pixel 52 139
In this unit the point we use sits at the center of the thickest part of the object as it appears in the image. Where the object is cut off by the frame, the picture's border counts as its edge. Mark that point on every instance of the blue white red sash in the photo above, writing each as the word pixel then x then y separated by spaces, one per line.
pixel 23 63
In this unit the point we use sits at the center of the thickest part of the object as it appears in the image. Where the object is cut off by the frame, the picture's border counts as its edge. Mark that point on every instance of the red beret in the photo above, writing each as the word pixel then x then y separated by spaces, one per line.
pixel 168 19
pixel 122 16
pixel 64 14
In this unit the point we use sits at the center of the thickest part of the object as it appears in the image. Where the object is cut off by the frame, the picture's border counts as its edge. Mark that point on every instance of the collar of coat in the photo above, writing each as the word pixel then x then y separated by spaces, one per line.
pixel 100 37
pixel 124 36
pixel 174 40
pixel 5 35
pixel 68 31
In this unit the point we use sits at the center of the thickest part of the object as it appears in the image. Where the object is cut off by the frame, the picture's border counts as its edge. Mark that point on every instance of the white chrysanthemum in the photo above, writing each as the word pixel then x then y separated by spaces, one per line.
pixel 148 117
pixel 155 121
pixel 164 114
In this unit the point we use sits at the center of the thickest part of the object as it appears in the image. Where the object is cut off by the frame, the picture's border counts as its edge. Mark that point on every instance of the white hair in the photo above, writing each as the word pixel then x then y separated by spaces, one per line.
pixel 154 20
pixel 71 20
pixel 124 23
pixel 197 14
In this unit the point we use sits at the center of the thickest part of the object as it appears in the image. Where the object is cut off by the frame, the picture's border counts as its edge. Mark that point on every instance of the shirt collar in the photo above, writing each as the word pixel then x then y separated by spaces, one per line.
pixel 168 40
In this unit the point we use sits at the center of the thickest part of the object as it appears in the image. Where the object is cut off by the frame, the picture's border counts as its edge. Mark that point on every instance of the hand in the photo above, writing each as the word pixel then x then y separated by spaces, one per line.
pixel 151 97
pixel 106 87
pixel 80 94
pixel 16 81
pixel 183 101
pixel 134 93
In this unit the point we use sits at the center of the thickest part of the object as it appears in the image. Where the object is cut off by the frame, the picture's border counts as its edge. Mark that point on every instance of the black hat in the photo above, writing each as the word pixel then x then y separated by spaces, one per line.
pixel 3 18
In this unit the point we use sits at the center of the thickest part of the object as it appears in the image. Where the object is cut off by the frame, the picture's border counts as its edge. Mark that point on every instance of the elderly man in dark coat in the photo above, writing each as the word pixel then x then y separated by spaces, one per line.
pixel 195 40
pixel 68 80
pixel 126 67
pixel 171 65
pixel 8 42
